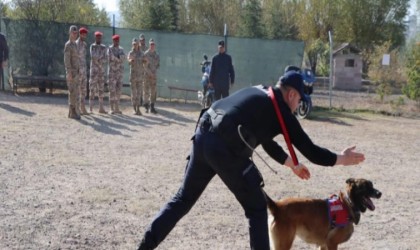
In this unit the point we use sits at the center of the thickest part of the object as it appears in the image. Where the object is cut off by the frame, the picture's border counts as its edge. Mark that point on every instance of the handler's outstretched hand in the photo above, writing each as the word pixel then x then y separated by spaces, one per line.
pixel 302 171
pixel 349 157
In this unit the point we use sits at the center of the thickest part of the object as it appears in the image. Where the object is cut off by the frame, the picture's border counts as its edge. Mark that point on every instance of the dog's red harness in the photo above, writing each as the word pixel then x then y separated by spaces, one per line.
pixel 337 213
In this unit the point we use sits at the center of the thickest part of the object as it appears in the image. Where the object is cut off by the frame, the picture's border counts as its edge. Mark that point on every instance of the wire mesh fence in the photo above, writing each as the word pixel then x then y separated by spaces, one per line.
pixel 36 48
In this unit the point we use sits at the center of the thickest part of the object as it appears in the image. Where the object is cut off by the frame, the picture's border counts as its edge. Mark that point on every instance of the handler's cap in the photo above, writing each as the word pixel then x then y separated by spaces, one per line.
pixel 135 41
pixel 151 41
pixel 83 30
pixel 98 33
pixel 142 38
pixel 292 68
pixel 294 80
pixel 116 37
pixel 73 28
pixel 221 43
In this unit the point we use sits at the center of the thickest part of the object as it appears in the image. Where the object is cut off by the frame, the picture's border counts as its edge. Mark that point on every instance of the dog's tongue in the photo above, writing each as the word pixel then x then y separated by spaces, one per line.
pixel 369 203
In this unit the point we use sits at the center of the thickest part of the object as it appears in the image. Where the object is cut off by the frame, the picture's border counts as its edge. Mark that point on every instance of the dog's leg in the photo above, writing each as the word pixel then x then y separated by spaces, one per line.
pixel 282 237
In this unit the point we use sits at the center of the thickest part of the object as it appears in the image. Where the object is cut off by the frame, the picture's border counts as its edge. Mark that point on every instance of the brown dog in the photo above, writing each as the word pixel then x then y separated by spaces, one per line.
pixel 318 222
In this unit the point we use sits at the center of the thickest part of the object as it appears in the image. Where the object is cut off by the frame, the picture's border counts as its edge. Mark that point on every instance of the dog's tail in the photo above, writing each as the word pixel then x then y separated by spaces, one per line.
pixel 270 203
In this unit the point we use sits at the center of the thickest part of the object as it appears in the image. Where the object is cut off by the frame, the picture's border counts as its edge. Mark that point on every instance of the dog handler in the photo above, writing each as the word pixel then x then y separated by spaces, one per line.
pixel 219 148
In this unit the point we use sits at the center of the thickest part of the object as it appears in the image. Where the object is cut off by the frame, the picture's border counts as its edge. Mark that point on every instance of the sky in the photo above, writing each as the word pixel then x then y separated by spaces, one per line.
pixel 109 5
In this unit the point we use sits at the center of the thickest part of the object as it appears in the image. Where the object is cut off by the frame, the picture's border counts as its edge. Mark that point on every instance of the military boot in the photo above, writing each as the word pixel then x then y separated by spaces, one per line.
pixel 135 109
pixel 101 107
pixel 117 108
pixel 91 106
pixel 146 106
pixel 138 112
pixel 112 106
pixel 152 109
pixel 83 110
pixel 73 113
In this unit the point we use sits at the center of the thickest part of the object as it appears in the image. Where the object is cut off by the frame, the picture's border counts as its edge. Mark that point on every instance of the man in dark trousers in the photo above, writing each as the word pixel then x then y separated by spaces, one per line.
pixel 222 74
pixel 4 56
pixel 225 138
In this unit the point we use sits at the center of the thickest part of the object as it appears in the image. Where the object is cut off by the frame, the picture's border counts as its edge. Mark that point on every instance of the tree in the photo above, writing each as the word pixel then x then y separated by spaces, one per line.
pixel 412 88
pixel 77 11
pixel 279 19
pixel 368 24
pixel 149 14
pixel 385 77
pixel 250 25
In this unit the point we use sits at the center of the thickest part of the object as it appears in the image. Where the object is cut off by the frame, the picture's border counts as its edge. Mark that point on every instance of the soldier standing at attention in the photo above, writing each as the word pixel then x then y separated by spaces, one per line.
pixel 71 64
pixel 135 60
pixel 82 49
pixel 151 66
pixel 97 72
pixel 116 58
pixel 143 46
pixel 143 49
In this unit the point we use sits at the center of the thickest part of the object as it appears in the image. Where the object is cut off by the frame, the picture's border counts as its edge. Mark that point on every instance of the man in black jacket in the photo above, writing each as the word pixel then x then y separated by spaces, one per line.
pixel 4 56
pixel 224 141
pixel 222 74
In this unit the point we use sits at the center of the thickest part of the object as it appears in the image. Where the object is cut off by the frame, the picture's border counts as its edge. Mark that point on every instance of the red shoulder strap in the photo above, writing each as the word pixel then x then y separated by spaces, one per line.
pixel 283 126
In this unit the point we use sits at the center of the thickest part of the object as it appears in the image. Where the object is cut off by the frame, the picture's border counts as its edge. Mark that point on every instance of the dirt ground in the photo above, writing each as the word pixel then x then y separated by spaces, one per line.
pixel 98 182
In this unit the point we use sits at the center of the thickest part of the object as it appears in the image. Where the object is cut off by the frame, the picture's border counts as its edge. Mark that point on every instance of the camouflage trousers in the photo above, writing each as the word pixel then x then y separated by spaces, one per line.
pixel 136 82
pixel 115 83
pixel 82 84
pixel 73 89
pixel 96 85
pixel 149 92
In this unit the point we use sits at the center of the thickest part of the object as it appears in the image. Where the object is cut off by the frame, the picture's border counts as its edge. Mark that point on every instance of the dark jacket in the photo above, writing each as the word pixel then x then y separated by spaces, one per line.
pixel 222 73
pixel 4 50
pixel 253 109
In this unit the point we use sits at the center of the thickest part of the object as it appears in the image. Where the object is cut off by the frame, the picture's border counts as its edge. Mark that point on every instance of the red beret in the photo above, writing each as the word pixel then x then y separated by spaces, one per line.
pixel 116 37
pixel 98 33
pixel 83 30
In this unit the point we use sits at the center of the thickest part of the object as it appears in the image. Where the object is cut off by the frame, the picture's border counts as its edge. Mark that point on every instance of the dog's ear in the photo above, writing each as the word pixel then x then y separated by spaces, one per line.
pixel 350 181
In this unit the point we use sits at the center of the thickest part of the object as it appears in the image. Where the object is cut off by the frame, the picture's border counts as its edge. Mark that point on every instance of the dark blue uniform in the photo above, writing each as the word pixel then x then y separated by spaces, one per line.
pixel 4 56
pixel 222 75
pixel 218 149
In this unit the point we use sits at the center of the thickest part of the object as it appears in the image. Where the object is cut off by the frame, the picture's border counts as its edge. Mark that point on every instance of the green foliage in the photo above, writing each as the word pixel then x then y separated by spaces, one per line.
pixel 412 88
pixel 279 19
pixel 250 25
pixel 77 11
pixel 385 77
pixel 150 14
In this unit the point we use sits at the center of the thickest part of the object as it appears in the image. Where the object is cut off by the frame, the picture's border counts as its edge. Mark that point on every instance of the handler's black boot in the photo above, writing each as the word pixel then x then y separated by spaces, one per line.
pixel 143 246
pixel 152 109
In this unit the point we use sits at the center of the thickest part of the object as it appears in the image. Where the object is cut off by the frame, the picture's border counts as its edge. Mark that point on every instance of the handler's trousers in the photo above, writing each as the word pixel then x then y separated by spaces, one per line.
pixel 210 156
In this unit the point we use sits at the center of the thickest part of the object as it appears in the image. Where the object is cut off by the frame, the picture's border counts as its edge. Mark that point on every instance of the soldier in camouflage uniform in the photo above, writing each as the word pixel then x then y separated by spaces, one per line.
pixel 151 66
pixel 135 60
pixel 82 49
pixel 71 64
pixel 97 72
pixel 143 46
pixel 116 59
pixel 143 49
